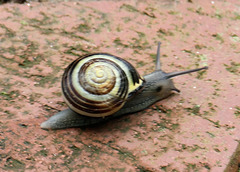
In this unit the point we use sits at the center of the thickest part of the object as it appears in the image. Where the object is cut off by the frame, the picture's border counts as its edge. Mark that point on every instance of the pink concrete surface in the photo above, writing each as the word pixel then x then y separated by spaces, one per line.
pixel 196 130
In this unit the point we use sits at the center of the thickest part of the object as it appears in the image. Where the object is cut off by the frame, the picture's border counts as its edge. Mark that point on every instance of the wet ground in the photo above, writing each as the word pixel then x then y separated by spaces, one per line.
pixel 196 130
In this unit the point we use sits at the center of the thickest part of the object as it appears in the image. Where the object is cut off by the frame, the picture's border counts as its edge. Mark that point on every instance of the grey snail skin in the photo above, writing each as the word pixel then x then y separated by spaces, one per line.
pixel 99 87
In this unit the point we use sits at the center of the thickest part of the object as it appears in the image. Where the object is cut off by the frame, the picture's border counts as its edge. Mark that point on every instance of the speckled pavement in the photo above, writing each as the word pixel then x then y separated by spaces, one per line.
pixel 196 130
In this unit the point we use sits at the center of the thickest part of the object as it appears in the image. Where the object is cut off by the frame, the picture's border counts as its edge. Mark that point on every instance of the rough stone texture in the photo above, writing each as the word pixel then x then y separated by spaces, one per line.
pixel 197 130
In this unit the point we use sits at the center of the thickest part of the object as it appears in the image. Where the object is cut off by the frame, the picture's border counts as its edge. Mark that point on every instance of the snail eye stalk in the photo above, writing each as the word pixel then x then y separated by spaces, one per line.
pixel 158 64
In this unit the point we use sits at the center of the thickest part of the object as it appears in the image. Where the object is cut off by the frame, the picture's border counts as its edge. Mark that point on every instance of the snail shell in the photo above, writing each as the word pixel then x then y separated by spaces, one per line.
pixel 98 85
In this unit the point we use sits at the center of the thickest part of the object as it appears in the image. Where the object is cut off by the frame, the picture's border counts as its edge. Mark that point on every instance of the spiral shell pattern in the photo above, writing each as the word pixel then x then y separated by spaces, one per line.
pixel 98 85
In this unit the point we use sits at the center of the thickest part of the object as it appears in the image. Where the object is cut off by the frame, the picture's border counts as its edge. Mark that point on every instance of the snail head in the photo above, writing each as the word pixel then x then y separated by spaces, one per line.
pixel 160 83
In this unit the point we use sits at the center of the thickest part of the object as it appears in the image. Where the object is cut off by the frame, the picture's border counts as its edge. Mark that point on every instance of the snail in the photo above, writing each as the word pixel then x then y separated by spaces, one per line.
pixel 99 87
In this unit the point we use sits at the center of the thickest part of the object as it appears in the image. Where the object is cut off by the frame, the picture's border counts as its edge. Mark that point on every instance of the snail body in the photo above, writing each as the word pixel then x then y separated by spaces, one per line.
pixel 99 87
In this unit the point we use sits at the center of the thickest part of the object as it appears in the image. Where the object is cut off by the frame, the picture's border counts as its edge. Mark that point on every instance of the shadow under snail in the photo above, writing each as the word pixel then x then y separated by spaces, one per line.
pixel 101 86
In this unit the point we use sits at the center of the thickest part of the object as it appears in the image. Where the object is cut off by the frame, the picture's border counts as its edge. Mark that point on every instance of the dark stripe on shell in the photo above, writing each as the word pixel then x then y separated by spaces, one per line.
pixel 134 74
